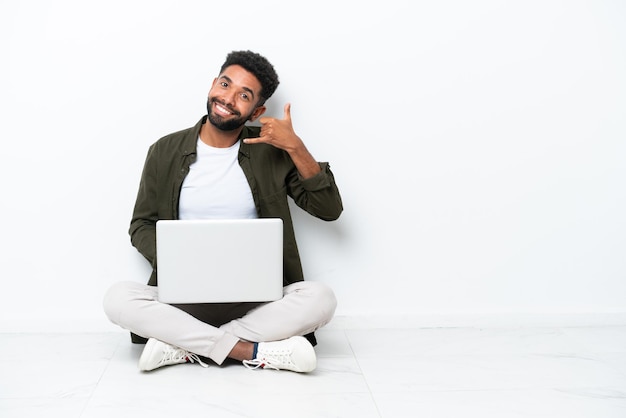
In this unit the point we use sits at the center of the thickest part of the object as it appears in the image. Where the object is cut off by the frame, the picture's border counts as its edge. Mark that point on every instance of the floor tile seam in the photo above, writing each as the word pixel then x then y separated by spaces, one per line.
pixel 367 384
pixel 95 387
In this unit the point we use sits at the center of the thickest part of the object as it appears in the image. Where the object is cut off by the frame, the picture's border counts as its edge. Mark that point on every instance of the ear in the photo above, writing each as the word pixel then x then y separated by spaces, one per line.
pixel 257 112
pixel 213 84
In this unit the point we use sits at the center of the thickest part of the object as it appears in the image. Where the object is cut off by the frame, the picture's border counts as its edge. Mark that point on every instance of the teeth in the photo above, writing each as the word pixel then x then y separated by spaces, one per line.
pixel 222 109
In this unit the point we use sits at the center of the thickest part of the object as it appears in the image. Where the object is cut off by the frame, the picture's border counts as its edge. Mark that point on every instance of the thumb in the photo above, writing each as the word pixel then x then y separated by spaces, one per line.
pixel 287 112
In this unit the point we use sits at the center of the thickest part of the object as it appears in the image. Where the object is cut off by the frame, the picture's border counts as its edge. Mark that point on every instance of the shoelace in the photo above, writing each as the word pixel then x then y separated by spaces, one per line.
pixel 267 362
pixel 191 357
pixel 256 363
pixel 178 355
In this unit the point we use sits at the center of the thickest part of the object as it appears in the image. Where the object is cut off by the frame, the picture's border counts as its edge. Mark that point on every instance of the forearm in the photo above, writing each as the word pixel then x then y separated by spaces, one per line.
pixel 142 229
pixel 319 194
pixel 143 238
pixel 306 165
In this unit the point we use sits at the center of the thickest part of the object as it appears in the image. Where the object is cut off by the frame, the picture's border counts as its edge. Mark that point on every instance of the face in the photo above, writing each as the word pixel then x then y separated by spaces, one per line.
pixel 233 99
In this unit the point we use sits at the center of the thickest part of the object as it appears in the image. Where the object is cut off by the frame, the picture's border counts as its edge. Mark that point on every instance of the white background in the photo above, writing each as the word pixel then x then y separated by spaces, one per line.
pixel 479 146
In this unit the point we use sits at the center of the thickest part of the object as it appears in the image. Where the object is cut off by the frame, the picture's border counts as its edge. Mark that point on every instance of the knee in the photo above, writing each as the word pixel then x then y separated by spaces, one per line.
pixel 327 300
pixel 116 298
pixel 111 302
pixel 322 299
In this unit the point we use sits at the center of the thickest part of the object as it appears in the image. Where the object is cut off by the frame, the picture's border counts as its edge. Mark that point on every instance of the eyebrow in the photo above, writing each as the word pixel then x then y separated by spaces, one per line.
pixel 248 89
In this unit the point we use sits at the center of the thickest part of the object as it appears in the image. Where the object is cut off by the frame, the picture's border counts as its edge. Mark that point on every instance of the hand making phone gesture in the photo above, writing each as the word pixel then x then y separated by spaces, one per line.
pixel 280 134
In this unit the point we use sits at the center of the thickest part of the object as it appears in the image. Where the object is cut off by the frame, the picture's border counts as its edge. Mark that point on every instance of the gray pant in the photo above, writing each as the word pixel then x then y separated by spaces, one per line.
pixel 305 307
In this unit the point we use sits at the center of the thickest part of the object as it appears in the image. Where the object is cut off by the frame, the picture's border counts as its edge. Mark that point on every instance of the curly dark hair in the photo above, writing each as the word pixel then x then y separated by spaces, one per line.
pixel 258 65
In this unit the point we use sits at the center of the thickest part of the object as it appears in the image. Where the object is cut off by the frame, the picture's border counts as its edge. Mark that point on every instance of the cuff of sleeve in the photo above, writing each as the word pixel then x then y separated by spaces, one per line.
pixel 319 181
pixel 222 348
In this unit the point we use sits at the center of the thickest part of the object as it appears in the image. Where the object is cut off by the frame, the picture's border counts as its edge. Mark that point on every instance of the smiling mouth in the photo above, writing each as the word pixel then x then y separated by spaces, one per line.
pixel 223 110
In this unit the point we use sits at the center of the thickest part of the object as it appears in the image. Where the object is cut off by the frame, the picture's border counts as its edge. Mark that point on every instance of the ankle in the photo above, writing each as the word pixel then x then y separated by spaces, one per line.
pixel 243 350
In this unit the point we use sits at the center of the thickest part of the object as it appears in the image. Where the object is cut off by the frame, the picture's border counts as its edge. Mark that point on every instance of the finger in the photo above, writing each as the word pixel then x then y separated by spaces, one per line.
pixel 266 127
pixel 253 140
pixel 287 112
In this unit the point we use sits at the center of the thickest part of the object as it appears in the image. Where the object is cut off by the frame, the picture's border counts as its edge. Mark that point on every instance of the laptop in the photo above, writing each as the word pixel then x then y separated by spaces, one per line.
pixel 220 260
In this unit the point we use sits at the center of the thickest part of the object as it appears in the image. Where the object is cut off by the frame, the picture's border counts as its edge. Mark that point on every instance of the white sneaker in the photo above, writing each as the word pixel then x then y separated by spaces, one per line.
pixel 157 354
pixel 295 354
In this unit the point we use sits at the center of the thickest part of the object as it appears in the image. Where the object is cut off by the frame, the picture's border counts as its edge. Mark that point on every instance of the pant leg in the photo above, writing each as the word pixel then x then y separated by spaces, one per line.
pixel 305 307
pixel 135 307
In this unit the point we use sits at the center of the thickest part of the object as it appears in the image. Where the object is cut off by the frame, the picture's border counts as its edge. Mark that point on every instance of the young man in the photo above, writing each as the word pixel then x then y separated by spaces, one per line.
pixel 222 168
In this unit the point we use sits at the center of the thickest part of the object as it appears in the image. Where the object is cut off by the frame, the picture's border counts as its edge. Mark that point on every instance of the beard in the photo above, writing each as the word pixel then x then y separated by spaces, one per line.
pixel 225 125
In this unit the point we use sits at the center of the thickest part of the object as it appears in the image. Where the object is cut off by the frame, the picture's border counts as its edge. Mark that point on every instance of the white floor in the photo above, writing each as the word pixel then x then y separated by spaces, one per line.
pixel 437 372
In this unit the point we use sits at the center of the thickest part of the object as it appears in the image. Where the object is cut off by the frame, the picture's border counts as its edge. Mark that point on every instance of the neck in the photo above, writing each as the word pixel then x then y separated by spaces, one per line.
pixel 214 137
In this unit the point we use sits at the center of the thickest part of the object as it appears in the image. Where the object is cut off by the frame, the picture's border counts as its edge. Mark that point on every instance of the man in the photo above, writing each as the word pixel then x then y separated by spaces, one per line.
pixel 223 168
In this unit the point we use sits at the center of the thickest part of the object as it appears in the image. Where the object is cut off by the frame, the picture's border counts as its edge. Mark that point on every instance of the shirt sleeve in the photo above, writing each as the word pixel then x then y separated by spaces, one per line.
pixel 145 214
pixel 318 195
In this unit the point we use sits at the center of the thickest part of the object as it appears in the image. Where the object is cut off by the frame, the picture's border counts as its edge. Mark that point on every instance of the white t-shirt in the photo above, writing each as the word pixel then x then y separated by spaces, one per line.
pixel 216 186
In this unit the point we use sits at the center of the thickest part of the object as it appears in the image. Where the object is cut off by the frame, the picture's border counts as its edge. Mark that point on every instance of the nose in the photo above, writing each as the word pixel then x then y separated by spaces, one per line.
pixel 229 98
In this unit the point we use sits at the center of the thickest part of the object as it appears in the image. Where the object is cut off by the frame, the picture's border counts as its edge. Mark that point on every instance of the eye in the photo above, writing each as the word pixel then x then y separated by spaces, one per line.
pixel 224 84
pixel 245 96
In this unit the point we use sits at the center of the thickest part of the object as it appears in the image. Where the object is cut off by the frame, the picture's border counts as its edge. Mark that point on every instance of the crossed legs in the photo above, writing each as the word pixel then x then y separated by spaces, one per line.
pixel 305 307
